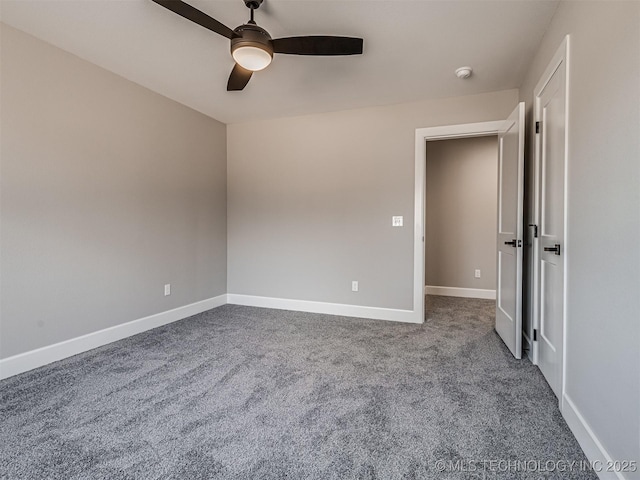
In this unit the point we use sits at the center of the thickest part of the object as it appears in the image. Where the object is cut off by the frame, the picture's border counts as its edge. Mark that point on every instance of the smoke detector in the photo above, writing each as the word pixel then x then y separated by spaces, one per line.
pixel 464 72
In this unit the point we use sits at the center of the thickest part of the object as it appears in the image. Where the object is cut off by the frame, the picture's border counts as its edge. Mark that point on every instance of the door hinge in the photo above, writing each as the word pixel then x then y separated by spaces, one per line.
pixel 535 229
pixel 535 335
pixel 537 127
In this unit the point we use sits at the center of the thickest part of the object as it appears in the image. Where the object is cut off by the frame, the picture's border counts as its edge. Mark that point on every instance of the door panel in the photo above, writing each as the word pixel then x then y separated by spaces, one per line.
pixel 552 171
pixel 551 157
pixel 508 188
pixel 509 236
pixel 548 311
pixel 507 297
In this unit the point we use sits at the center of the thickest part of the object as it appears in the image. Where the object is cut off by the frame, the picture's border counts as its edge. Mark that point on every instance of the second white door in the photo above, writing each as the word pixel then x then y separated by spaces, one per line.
pixel 550 97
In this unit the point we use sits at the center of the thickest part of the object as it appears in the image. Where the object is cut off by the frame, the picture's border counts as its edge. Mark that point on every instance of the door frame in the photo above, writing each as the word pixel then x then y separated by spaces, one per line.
pixel 423 135
pixel 561 56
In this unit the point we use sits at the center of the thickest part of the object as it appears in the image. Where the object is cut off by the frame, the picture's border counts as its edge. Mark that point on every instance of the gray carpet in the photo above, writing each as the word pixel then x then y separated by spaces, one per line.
pixel 241 392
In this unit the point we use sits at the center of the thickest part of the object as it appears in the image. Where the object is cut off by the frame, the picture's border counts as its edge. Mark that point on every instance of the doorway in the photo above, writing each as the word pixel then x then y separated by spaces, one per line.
pixel 422 136
pixel 460 217
pixel 510 134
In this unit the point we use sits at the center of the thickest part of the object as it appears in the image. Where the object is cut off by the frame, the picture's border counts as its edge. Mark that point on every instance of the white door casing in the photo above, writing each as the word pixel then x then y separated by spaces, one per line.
pixel 509 235
pixel 550 98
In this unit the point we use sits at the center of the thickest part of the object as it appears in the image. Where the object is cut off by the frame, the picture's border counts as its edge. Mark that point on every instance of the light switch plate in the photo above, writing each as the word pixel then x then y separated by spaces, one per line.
pixel 397 221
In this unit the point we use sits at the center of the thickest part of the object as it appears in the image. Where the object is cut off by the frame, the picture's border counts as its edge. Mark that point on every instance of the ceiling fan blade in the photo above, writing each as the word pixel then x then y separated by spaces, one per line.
pixel 318 45
pixel 190 13
pixel 238 79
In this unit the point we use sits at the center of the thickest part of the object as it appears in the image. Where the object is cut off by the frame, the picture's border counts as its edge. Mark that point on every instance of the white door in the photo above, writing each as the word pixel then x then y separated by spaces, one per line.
pixel 509 237
pixel 550 127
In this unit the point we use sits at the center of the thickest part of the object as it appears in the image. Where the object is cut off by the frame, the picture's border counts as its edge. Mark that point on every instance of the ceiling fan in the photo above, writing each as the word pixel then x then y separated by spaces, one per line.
pixel 252 47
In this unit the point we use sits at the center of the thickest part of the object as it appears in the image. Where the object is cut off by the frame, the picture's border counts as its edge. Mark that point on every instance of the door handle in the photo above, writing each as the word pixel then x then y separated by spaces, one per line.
pixel 555 248
pixel 512 243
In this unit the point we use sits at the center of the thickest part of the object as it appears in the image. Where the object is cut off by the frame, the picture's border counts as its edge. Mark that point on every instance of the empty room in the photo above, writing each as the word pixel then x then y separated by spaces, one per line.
pixel 319 239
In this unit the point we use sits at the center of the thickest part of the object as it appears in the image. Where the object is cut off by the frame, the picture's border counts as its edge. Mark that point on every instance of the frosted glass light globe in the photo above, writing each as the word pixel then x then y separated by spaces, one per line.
pixel 252 58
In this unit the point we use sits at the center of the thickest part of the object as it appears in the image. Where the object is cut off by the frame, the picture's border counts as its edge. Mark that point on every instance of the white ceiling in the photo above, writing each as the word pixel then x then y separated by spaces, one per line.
pixel 411 49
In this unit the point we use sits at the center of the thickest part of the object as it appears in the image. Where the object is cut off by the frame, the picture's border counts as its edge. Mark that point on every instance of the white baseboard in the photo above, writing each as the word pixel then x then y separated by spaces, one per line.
pixel 591 445
pixel 374 313
pixel 42 356
pixel 52 353
pixel 460 292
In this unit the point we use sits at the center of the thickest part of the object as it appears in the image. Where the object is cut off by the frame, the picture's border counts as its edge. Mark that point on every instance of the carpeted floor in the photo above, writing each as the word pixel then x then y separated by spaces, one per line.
pixel 249 393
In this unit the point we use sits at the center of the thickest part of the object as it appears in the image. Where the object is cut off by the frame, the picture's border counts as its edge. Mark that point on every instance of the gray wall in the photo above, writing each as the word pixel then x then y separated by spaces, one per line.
pixel 603 276
pixel 461 212
pixel 108 191
pixel 310 200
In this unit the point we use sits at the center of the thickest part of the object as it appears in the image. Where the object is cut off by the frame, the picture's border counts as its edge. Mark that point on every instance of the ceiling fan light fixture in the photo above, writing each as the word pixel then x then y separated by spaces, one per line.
pixel 252 57
pixel 252 47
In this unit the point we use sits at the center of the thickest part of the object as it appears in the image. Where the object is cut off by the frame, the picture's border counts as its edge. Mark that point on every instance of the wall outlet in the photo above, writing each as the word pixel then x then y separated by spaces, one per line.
pixel 478 273
pixel 397 221
pixel 167 289
pixel 354 286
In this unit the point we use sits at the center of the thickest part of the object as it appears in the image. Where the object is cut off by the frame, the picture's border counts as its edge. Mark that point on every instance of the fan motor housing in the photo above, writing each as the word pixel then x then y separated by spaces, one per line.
pixel 251 35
